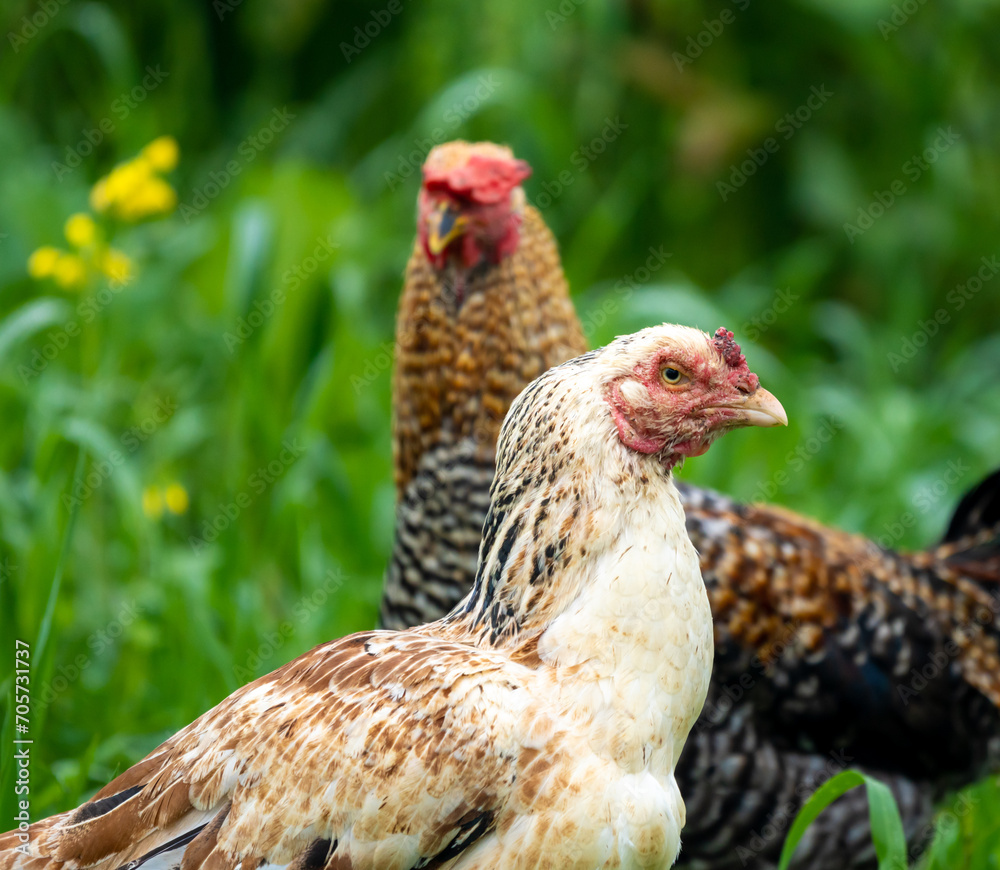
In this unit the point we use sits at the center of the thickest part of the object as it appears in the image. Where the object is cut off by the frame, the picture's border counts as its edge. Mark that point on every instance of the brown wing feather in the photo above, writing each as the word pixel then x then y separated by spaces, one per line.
pixel 374 742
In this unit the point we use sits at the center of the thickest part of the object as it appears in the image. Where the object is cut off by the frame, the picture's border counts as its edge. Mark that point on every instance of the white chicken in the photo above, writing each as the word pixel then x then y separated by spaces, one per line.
pixel 537 725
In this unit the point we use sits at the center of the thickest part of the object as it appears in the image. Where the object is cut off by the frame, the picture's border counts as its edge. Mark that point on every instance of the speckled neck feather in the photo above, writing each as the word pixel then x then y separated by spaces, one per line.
pixel 458 368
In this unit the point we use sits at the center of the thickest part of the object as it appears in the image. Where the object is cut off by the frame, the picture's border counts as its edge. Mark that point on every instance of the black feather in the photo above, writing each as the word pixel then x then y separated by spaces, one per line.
pixel 469 832
pixel 978 510
pixel 169 846
pixel 93 809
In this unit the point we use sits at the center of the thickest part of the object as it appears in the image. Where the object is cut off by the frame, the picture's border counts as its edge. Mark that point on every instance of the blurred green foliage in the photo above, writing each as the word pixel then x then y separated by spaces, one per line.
pixel 249 359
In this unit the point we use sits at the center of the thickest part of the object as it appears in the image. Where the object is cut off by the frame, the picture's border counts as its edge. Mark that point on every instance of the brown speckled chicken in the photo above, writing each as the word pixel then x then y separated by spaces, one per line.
pixel 831 652
pixel 536 726
pixel 486 309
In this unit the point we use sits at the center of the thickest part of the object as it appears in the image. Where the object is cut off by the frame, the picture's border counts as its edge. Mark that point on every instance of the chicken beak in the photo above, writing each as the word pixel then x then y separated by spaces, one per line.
pixel 447 223
pixel 760 408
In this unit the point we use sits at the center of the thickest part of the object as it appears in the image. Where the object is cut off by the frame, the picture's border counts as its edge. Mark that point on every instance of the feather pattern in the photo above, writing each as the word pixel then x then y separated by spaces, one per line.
pixel 832 646
pixel 537 725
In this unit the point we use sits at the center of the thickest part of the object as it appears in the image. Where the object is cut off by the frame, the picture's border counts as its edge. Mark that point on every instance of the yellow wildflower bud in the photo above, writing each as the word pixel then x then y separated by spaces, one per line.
pixel 152 502
pixel 154 196
pixel 124 179
pixel 80 230
pixel 132 191
pixel 99 199
pixel 69 271
pixel 117 265
pixel 162 153
pixel 176 497
pixel 41 263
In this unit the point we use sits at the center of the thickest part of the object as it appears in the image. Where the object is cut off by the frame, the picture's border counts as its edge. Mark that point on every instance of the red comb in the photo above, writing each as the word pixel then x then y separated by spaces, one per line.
pixel 485 180
pixel 729 349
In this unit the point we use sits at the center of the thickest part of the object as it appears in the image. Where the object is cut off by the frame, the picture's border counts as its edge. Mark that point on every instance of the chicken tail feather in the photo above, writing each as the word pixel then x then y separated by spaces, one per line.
pixel 972 542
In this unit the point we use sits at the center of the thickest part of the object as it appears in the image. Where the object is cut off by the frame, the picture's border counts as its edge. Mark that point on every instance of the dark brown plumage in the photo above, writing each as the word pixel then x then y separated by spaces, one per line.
pixel 823 639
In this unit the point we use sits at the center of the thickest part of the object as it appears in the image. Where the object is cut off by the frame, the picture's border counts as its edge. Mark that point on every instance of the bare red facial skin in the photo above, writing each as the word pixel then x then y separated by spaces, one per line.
pixel 642 426
pixel 480 189
pixel 631 434
pixel 675 421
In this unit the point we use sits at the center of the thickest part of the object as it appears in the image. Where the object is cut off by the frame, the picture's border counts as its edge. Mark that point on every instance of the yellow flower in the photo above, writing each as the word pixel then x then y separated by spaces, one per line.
pixel 119 184
pixel 41 263
pixel 99 200
pixel 80 230
pixel 69 271
pixel 162 153
pixel 176 498
pixel 117 265
pixel 132 190
pixel 153 196
pixel 152 502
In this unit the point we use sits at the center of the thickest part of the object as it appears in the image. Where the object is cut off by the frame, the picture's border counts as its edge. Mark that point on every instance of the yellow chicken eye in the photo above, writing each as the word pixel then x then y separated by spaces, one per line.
pixel 672 376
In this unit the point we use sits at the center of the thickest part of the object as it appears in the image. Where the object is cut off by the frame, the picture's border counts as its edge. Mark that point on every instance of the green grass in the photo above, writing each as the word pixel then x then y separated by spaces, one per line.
pixel 886 825
pixel 157 628
pixel 965 831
